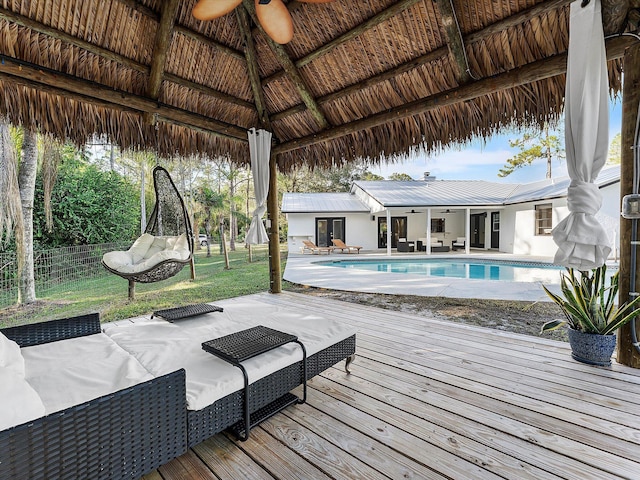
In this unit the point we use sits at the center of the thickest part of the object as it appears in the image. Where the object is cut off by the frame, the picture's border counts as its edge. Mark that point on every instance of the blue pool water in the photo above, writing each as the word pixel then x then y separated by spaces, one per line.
pixel 463 268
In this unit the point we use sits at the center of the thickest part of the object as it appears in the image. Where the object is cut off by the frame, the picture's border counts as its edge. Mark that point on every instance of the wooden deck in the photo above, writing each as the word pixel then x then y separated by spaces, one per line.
pixel 431 399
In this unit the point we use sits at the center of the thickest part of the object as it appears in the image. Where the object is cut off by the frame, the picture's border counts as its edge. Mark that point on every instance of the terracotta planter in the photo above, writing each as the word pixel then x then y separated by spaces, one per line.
pixel 591 348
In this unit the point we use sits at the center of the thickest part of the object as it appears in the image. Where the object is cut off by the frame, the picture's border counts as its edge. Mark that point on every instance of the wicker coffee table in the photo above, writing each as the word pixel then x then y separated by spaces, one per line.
pixel 241 346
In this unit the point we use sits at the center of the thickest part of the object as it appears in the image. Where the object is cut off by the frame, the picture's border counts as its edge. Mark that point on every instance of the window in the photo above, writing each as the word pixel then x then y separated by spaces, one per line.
pixel 495 221
pixel 437 225
pixel 543 219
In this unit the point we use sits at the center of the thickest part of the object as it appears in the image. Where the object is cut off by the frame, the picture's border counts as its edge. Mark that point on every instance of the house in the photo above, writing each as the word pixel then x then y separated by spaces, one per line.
pixel 430 214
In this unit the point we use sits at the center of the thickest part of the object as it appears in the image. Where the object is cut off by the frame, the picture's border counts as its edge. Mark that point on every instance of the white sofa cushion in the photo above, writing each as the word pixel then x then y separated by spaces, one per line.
pixel 19 402
pixel 10 356
pixel 73 371
pixel 146 252
pixel 140 247
pixel 163 347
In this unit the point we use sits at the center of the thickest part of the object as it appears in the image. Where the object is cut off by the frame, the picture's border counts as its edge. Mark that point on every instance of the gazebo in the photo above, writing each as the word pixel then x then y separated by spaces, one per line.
pixel 359 80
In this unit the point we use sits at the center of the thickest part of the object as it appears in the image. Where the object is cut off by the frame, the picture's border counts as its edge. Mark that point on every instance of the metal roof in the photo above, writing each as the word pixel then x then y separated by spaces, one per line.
pixel 437 193
pixel 555 188
pixel 322 202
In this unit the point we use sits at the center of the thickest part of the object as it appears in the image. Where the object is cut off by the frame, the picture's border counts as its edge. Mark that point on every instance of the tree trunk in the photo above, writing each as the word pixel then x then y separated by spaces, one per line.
pixel 27 183
pixel 207 229
pixel 223 243
pixel 233 226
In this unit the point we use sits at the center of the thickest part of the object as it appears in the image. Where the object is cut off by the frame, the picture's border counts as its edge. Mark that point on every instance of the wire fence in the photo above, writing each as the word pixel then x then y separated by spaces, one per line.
pixel 69 266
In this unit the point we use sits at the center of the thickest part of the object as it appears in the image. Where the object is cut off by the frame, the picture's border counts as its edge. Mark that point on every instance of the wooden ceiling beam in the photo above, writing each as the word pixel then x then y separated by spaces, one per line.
pixel 70 85
pixel 377 19
pixel 116 57
pixel 454 40
pixel 292 72
pixel 252 67
pixel 499 26
pixel 614 15
pixel 161 47
pixel 532 72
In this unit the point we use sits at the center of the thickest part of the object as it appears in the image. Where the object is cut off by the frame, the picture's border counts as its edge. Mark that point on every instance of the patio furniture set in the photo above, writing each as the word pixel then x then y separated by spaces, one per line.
pixel 310 247
pixel 437 245
pixel 83 400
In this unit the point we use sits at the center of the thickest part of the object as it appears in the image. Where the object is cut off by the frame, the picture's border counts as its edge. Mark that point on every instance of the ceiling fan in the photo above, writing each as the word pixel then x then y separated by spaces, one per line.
pixel 272 14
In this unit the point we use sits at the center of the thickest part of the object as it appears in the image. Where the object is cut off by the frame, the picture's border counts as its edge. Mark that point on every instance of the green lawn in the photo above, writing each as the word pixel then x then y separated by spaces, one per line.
pixel 108 294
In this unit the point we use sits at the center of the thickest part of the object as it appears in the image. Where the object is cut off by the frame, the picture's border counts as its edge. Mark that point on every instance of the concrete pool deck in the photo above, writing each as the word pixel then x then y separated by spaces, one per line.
pixel 305 270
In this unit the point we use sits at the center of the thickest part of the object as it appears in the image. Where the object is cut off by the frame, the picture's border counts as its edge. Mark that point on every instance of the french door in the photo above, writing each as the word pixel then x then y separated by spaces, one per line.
pixel 398 230
pixel 327 229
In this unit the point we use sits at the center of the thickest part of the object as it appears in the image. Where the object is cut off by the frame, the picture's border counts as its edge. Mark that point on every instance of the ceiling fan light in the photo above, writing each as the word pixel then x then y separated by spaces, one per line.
pixel 275 20
pixel 210 9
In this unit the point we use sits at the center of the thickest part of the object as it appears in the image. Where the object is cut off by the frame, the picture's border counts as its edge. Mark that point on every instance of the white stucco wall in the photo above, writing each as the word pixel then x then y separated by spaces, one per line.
pixel 517 225
pixel 359 229
pixel 517 229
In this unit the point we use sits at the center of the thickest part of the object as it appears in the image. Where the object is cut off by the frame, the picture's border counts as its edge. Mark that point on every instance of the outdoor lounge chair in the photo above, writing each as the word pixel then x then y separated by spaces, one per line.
pixel 313 248
pixel 132 431
pixel 339 244
pixel 125 433
pixel 459 243
pixel 404 246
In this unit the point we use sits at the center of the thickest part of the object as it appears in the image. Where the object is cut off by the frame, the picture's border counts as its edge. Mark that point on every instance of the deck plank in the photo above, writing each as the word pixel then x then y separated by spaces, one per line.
pixel 431 399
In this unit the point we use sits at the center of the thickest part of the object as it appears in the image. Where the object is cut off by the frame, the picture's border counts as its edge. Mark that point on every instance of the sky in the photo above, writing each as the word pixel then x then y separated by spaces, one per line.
pixel 481 160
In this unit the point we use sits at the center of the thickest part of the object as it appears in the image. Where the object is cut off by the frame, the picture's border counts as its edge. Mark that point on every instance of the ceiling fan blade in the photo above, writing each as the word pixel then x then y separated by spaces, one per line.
pixel 210 9
pixel 275 20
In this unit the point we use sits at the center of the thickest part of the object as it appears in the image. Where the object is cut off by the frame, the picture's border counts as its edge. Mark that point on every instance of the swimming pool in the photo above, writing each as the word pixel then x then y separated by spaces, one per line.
pixel 473 269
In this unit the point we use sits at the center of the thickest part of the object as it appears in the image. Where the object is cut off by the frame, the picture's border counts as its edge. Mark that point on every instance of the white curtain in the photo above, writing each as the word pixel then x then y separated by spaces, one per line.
pixel 260 150
pixel 582 242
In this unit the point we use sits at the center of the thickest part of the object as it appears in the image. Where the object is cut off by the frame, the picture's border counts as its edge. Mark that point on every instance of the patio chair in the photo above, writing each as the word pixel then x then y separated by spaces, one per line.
pixel 404 246
pixel 313 248
pixel 165 247
pixel 339 244
pixel 459 243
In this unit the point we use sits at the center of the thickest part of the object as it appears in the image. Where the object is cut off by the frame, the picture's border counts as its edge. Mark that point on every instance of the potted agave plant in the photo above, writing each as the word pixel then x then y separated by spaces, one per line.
pixel 592 317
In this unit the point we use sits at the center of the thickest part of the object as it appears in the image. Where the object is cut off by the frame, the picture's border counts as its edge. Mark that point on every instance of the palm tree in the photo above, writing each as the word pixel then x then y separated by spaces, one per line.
pixel 18 179
pixel 213 205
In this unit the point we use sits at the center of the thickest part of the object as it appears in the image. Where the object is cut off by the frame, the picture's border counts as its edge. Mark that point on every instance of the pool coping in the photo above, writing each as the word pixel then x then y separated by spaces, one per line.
pixel 304 269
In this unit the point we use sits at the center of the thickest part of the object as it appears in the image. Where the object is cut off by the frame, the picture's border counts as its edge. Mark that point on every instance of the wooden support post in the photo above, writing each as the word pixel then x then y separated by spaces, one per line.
pixel 132 289
pixel 630 100
pixel 274 230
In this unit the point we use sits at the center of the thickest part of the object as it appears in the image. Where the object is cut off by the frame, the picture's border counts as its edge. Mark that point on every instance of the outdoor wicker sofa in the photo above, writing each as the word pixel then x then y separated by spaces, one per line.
pixel 125 434
pixel 133 431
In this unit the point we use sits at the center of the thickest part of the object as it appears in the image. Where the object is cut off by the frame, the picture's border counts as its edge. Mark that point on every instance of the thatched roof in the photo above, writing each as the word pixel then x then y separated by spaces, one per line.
pixel 359 79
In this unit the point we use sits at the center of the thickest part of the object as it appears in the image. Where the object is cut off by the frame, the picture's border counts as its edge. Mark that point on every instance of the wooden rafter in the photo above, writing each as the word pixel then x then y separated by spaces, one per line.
pixel 292 71
pixel 161 46
pixel 69 85
pixel 614 15
pixel 115 57
pixel 480 35
pixel 160 50
pixel 454 40
pixel 377 19
pixel 252 67
pixel 532 72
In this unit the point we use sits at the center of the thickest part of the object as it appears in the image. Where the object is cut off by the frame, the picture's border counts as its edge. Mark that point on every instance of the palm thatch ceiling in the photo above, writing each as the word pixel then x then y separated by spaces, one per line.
pixel 359 79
